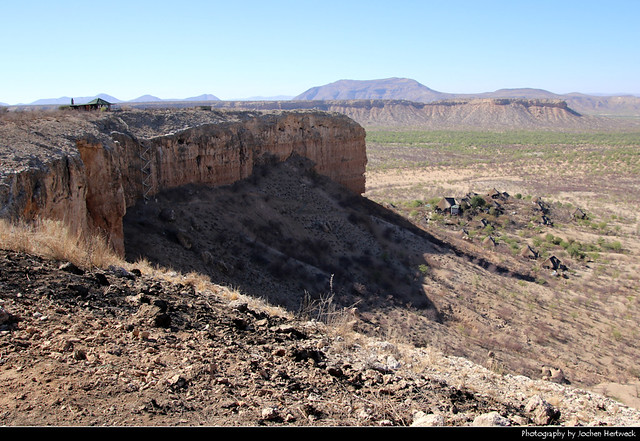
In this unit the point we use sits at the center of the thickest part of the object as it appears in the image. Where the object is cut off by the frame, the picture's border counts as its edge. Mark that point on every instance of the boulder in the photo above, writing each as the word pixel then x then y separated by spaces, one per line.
pixel 420 419
pixel 542 413
pixel 490 419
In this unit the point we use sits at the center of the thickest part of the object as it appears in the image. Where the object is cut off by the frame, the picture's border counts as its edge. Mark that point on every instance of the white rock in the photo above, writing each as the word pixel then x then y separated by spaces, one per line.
pixel 490 419
pixel 269 413
pixel 420 419
pixel 392 363
pixel 542 412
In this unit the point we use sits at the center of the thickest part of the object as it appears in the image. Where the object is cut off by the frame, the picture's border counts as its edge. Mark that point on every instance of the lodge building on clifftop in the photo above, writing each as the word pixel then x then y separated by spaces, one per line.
pixel 96 104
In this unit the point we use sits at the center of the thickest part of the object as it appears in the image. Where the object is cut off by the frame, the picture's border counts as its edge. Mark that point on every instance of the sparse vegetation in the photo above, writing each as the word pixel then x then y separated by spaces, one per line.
pixel 53 239
pixel 567 171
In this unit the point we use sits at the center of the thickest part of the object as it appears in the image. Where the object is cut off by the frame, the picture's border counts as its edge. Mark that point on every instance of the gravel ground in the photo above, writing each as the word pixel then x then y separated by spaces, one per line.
pixel 116 347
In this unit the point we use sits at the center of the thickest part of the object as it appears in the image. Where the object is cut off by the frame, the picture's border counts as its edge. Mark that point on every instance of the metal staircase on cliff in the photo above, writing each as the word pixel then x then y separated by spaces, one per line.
pixel 147 185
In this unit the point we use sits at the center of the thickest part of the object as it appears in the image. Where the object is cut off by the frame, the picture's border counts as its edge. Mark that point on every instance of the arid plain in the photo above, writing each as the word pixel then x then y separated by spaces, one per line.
pixel 592 308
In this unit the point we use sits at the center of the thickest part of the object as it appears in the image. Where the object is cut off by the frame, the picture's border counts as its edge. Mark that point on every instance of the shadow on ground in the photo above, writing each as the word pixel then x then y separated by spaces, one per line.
pixel 289 236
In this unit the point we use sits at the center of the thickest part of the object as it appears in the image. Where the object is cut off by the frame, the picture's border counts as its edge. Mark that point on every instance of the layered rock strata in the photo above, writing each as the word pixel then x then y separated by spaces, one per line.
pixel 87 169
pixel 485 113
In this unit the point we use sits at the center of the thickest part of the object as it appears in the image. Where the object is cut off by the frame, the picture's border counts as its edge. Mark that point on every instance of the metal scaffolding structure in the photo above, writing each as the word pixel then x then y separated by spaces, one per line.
pixel 147 186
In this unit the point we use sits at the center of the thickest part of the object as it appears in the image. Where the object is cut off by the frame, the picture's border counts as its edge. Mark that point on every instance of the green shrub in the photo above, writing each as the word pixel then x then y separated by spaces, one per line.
pixel 477 202
pixel 612 246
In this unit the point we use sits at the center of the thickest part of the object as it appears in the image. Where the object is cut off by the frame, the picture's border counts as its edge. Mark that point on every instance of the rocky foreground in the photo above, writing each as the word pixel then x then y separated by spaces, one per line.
pixel 121 347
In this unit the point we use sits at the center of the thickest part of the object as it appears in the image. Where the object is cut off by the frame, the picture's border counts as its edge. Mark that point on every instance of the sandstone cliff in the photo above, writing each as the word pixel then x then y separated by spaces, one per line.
pixel 86 169
pixel 463 113
pixel 472 114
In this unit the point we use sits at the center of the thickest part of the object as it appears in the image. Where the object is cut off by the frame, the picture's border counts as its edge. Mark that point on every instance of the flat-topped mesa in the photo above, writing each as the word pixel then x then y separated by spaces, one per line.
pixel 111 161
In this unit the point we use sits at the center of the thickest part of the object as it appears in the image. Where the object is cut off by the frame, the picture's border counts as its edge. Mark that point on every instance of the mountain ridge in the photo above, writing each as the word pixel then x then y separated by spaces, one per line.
pixel 141 99
pixel 411 90
pixel 389 88
pixel 397 88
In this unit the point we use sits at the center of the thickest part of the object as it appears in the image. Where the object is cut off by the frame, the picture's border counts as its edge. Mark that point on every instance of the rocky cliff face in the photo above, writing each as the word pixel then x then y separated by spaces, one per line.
pixel 490 113
pixel 462 113
pixel 87 169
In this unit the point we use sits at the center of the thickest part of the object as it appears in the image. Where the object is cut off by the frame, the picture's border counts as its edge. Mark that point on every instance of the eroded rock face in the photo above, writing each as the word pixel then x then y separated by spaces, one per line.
pixel 55 190
pixel 97 167
pixel 221 154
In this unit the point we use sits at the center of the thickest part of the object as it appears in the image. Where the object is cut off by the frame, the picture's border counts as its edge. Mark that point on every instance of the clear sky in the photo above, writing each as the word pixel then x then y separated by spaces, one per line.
pixel 239 49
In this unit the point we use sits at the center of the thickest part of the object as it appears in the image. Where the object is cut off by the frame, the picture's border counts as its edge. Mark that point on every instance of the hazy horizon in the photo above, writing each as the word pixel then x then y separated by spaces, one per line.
pixel 79 100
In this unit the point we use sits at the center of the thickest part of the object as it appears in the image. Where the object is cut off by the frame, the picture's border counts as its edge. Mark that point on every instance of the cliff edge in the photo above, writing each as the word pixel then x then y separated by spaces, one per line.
pixel 88 168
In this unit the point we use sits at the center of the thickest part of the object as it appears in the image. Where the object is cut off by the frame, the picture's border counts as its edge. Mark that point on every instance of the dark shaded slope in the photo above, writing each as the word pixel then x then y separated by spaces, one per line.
pixel 287 235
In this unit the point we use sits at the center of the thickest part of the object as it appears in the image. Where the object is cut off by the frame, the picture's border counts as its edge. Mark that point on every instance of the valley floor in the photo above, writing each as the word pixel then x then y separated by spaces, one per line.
pixel 591 313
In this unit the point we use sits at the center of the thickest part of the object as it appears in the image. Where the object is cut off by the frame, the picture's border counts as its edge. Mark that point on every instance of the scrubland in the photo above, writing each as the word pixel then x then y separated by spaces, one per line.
pixel 597 296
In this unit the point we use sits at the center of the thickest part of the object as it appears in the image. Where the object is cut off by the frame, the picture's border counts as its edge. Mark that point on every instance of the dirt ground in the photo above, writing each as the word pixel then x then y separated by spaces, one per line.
pixel 119 348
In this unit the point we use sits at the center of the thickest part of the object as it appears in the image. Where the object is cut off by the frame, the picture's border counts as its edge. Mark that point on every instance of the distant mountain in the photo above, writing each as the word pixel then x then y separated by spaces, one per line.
pixel 384 89
pixel 410 90
pixel 145 99
pixel 523 93
pixel 204 97
pixel 77 100
pixel 58 101
pixel 392 89
pixel 105 97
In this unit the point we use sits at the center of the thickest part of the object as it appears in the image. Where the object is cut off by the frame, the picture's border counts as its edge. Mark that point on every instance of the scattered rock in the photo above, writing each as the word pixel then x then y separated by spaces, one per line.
pixel 121 272
pixel 168 215
pixel 79 354
pixel 177 382
pixel 392 363
pixel 79 289
pixel 162 305
pixel 71 268
pixel 239 305
pixel 225 363
pixel 206 257
pixel 420 419
pixel 554 374
pixel 184 239
pixel 490 419
pixel 101 279
pixel 542 412
pixel 162 320
pixel 5 317
pixel 270 414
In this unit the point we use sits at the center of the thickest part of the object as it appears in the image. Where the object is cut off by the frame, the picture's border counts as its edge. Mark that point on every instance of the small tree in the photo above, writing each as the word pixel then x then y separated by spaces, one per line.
pixel 477 202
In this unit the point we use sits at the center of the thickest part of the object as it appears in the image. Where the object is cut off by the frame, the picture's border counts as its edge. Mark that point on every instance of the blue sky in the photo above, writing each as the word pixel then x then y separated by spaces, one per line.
pixel 246 48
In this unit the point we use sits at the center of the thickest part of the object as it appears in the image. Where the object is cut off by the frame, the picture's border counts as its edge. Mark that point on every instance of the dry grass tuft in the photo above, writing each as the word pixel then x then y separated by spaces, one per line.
pixel 52 239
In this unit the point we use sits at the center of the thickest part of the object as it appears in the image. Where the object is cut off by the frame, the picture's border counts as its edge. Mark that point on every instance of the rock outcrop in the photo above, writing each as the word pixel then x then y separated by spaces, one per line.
pixel 469 114
pixel 462 113
pixel 87 169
